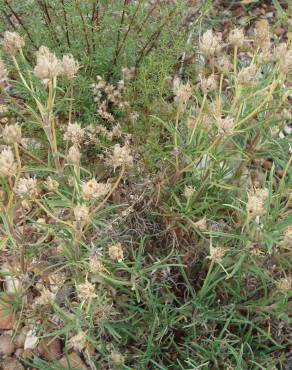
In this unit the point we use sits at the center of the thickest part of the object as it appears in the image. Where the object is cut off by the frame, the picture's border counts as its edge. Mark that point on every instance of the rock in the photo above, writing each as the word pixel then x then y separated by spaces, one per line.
pixel 50 348
pixel 11 364
pixel 7 347
pixel 72 361
pixel 6 317
pixel 31 339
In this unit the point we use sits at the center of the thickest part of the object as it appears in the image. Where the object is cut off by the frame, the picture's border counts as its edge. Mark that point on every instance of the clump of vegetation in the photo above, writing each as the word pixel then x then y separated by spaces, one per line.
pixel 145 190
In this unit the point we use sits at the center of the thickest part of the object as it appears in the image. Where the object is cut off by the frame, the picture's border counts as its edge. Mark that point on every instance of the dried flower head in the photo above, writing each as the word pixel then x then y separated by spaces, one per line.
pixel 285 284
pixel 78 341
pixel 74 133
pixel 116 252
pixel 93 189
pixel 96 265
pixel 208 83
pixel 3 73
pixel 285 63
pixel 7 164
pixel 189 191
pixel 46 298
pixel 182 92
pixel 216 254
pixel 121 156
pixel 225 125
pixel 288 235
pixel 48 65
pixel 201 224
pixel 255 203
pixel 224 63
pixel 262 34
pixel 86 290
pixel 26 187
pixel 117 358
pixel 12 42
pixel 12 134
pixel 210 43
pixel 70 66
pixel 74 155
pixel 247 76
pixel 236 37
pixel 81 213
pixel 128 73
pixel 51 184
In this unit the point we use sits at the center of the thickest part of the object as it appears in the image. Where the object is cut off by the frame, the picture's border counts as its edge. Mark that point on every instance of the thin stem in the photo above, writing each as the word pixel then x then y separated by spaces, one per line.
pixel 83 25
pixel 199 117
pixel 178 112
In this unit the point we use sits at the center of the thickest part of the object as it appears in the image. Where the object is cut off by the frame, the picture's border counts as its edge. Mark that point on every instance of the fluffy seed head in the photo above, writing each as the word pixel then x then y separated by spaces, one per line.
pixel 285 63
pixel 78 341
pixel 46 298
pixel 208 83
pixel 26 187
pixel 86 290
pixel 81 213
pixel 121 156
pixel 255 203
pixel 116 252
pixel 3 73
pixel 51 184
pixel 117 358
pixel 262 34
pixel 7 164
pixel 236 37
pixel 74 155
pixel 216 254
pixel 12 42
pixel 225 125
pixel 48 65
pixel 70 66
pixel 182 92
pixel 74 133
pixel 285 284
pixel 288 235
pixel 189 191
pixel 247 75
pixel 12 134
pixel 210 43
pixel 93 189
pixel 96 265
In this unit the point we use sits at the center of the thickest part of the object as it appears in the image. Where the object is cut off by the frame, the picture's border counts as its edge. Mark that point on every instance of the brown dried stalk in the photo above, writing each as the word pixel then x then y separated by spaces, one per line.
pixel 119 31
pixel 66 23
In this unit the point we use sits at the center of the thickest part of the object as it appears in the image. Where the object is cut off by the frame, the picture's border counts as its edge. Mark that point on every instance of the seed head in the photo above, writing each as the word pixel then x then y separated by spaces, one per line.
pixel 210 43
pixel 70 66
pixel 116 252
pixel 7 164
pixel 26 187
pixel 262 34
pixel 74 133
pixel 288 235
pixel 182 92
pixel 255 203
pixel 96 265
pixel 121 156
pixel 3 73
pixel 189 191
pixel 12 134
pixel 224 63
pixel 78 341
pixel 208 84
pixel 46 298
pixel 285 284
pixel 216 254
pixel 86 290
pixel 51 184
pixel 225 125
pixel 117 358
pixel 236 37
pixel 48 65
pixel 74 155
pixel 285 63
pixel 202 224
pixel 81 213
pixel 12 42
pixel 93 189
pixel 247 76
